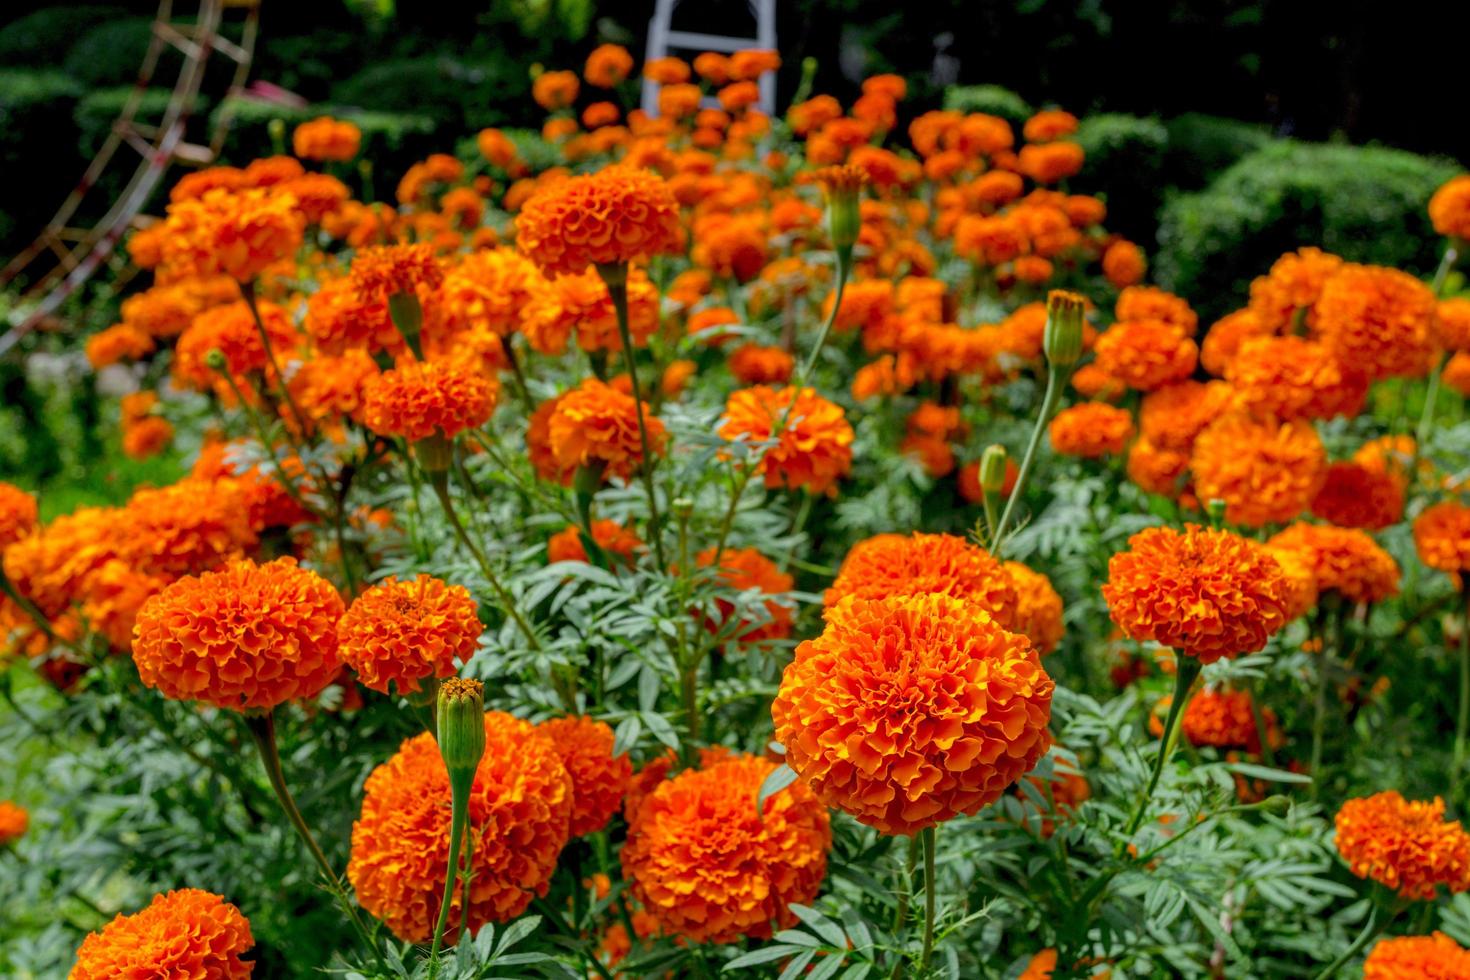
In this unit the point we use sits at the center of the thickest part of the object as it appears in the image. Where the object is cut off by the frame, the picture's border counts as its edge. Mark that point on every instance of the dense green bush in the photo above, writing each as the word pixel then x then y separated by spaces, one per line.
pixel 111 54
pixel 1202 146
pixel 35 121
pixel 99 109
pixel 41 38
pixel 992 99
pixel 1366 204
pixel 464 96
pixel 390 140
pixel 1125 160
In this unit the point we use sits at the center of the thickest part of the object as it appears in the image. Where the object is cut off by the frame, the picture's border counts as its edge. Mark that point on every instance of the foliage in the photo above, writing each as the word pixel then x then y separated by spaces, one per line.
pixel 995 100
pixel 40 37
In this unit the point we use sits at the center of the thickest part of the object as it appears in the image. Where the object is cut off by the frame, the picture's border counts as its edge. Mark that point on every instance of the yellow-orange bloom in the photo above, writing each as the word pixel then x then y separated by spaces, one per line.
pixel 421 398
pixel 1353 495
pixel 1265 472
pixel 1404 845
pixel 325 138
pixel 1225 718
pixel 1449 208
pixel 812 449
pixel 709 868
pixel 1204 593
pixel 1151 303
pixel 1345 560
pixel 519 808
pixel 554 90
pixel 1041 966
pixel 755 365
pixel 235 234
pixel 1124 265
pixel 1292 377
pixel 1291 288
pixel 189 527
pixel 1224 339
pixel 1090 430
pixel 246 636
pixel 1442 537
pixel 599 779
pixel 388 270
pixel 184 933
pixel 910 710
pixel 404 632
pixel 1038 610
pixel 1173 416
pixel 607 65
pixel 608 218
pixel 1436 957
pixel 596 425
pixel 1157 470
pixel 610 536
pixel 1146 354
pixel 1049 124
pixel 1379 319
pixel 18 514
pixel 14 821
pixel 923 564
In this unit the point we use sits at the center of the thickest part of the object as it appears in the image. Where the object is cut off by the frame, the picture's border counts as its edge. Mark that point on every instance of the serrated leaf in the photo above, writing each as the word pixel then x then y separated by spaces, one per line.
pixel 823 926
pixel 515 932
pixel 766 954
pixel 780 778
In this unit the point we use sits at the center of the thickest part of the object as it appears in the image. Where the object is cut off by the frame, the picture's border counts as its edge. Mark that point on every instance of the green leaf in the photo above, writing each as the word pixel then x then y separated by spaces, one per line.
pixel 780 778
pixel 756 957
pixel 1270 775
pixel 823 926
pixel 797 966
pixel 515 932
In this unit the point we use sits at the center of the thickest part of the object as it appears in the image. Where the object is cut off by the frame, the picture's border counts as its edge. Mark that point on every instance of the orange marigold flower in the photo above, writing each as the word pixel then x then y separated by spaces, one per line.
pixel 1292 377
pixel 519 809
pixel 52 565
pixel 382 271
pixel 325 138
pixel 1404 845
pixel 1123 263
pixel 1353 495
pixel 610 536
pixel 1049 124
pixel 1150 303
pixel 1225 337
pixel 1156 469
pixel 1265 472
pixel 233 332
pixel 14 821
pixel 1090 430
pixel 604 219
pixel 184 933
pixel 403 632
pixel 712 67
pixel 187 528
pixel 607 65
pixel 554 90
pixel 1345 560
pixel 1436 957
pixel 1456 374
pixel 338 319
pixel 1047 163
pixel 745 568
pixel 19 514
pixel 1449 208
pixel 1173 416
pixel 594 425
pixel 1392 455
pixel 1300 575
pixel 755 365
pixel 1041 966
pixel 1146 354
pixel 488 289
pixel 910 710
pixel 667 71
pixel 709 868
pixel 1225 719
pixel 748 64
pixel 329 389
pixel 598 778
pixel 1292 286
pixel 923 564
pixel 235 234
pixel 421 398
pixel 1038 609
pixel 1380 319
pixel 1204 593
pixel 1452 322
pixel 813 447
pixel 246 636
pixel 116 344
pixel 1442 536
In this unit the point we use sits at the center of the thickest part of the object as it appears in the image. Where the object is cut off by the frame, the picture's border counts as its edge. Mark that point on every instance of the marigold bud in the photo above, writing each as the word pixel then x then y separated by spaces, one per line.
pixel 215 360
pixel 842 186
pixel 993 469
pixel 1062 340
pixel 434 453
pixel 408 317
pixel 461 726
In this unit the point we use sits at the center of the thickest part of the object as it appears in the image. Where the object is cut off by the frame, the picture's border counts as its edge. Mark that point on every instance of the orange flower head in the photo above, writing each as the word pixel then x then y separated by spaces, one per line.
pixel 607 218
pixel 750 64
pixel 1449 208
pixel 1300 575
pixel 1225 719
pixel 117 344
pixel 1404 845
pixel 14 822
pixel 924 564
pixel 610 536
pixel 594 424
pixel 709 868
pixel 1204 593
pixel 1353 495
pixel 184 933
pixel 1048 163
pixel 1224 339
pixel 1292 287
pixel 598 778
pixel 667 71
pixel 18 514
pixel 1265 472
pixel 1049 124
pixel 1436 957
pixel 325 138
pixel 1041 966
pixel 232 330
pixel 755 365
pixel 813 449
pixel 1453 323
pixel 1090 430
pixel 910 710
pixel 389 270
pixel 246 636
pixel 52 565
pixel 1038 609
pixel 1173 416
pixel 489 289
pixel 404 632
pixel 1379 319
pixel 1123 263
pixel 190 527
pixel 1149 303
pixel 746 568
pixel 519 807
pixel 1345 560
pixel 1442 537
pixel 1146 354
pixel 608 65
pixel 1156 469
pixel 555 90
pixel 421 398
pixel 1292 377
pixel 237 234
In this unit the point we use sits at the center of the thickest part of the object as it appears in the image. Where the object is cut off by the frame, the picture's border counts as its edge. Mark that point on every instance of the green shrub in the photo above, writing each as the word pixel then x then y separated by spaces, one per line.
pixel 43 38
pixel 35 136
pixel 391 141
pixel 111 54
pixel 1202 146
pixel 98 110
pixel 1366 204
pixel 456 94
pixel 1125 165
pixel 992 99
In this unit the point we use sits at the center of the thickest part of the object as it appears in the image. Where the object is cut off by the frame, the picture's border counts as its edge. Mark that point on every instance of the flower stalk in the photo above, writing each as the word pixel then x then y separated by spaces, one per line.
pixel 461 718
pixel 1186 671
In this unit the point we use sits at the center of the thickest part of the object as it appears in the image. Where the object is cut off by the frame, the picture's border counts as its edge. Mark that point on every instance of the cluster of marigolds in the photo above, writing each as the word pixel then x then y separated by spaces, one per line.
pixel 707 251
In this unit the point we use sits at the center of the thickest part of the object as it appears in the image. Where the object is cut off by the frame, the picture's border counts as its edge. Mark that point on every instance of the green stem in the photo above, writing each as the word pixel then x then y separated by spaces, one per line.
pixel 1185 671
pixel 522 389
pixel 1319 703
pixel 1372 929
pixel 905 894
pixel 844 263
pixel 928 835
pixel 991 518
pixel 1462 719
pixel 459 796
pixel 616 279
pixel 247 290
pixel 263 731
pixel 1056 380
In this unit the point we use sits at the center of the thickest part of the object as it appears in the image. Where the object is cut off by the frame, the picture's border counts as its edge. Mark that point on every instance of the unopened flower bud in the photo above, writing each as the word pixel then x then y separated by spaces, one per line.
pixel 215 359
pixel 682 508
pixel 434 453
pixel 1062 340
pixel 408 316
pixel 842 186
pixel 993 469
pixel 461 725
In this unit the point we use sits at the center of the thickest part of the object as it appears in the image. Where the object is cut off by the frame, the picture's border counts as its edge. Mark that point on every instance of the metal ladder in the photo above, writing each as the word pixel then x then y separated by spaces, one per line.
pixel 662 39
